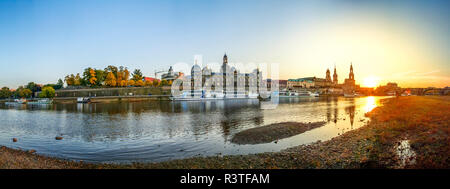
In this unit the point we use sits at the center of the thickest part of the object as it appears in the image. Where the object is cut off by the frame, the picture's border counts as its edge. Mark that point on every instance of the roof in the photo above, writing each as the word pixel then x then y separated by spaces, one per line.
pixel 150 79
pixel 305 79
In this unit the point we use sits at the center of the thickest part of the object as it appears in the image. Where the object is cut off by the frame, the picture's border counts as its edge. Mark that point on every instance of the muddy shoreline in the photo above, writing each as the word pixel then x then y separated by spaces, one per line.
pixel 423 121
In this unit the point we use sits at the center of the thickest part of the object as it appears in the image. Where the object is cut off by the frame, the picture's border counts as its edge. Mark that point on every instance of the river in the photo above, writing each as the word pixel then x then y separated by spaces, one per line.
pixel 164 130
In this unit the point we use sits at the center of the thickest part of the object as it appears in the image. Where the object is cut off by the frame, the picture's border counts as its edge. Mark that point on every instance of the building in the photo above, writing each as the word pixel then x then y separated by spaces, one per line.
pixel 229 79
pixel 171 75
pixel 349 86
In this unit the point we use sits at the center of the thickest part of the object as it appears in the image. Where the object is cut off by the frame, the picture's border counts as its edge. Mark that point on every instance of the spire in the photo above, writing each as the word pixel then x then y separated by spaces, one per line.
pixel 351 75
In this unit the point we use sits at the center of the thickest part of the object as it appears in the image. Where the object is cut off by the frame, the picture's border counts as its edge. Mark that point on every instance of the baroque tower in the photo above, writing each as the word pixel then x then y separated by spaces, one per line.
pixel 351 75
pixel 335 76
pixel 328 77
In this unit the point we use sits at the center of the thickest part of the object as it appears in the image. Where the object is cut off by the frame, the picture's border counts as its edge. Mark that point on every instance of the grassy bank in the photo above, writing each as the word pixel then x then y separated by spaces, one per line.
pixel 423 121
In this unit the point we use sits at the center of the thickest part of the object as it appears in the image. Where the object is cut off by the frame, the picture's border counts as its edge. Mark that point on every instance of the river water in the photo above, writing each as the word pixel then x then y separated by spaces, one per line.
pixel 165 130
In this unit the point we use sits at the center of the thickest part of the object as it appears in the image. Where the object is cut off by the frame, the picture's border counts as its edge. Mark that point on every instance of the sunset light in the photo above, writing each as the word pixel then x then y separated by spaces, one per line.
pixel 370 81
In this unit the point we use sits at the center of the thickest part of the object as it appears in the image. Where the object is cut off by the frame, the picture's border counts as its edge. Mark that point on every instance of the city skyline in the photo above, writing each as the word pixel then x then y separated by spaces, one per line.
pixel 404 41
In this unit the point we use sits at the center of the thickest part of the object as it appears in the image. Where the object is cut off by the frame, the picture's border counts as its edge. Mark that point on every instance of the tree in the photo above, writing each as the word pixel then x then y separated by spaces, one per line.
pixel 124 83
pixel 137 75
pixel 25 93
pixel 156 83
pixel 59 85
pixel 110 79
pixel 101 76
pixel 148 83
pixel 89 77
pixel 47 92
pixel 112 69
pixel 164 82
pixel 70 80
pixel 119 76
pixel 77 80
pixel 33 87
pixel 126 74
pixel 5 92
pixel 139 83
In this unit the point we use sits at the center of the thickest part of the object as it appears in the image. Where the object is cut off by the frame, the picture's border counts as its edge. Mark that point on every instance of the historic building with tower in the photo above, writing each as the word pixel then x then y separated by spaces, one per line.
pixel 325 85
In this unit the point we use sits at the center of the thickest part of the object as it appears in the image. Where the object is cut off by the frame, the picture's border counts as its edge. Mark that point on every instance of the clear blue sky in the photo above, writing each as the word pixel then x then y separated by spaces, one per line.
pixel 45 40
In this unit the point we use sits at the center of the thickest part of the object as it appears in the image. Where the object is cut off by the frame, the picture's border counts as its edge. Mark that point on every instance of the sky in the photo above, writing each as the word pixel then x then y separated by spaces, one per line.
pixel 403 41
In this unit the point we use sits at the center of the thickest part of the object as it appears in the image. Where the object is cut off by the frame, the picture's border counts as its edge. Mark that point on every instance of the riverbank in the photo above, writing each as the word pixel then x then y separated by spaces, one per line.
pixel 421 121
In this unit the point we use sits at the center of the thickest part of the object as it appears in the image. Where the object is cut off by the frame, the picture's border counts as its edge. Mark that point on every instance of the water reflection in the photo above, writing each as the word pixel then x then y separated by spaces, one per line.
pixel 162 130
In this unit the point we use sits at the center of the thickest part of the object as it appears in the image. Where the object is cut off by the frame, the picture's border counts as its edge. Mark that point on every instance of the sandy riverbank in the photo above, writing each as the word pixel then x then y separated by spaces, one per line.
pixel 422 121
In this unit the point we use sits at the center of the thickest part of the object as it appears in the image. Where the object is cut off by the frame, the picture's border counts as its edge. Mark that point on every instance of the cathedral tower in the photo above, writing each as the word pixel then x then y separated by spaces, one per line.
pixel 328 77
pixel 351 75
pixel 335 76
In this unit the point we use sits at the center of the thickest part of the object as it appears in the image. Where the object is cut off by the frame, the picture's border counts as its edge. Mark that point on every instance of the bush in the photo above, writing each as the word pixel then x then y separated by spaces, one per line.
pixel 47 92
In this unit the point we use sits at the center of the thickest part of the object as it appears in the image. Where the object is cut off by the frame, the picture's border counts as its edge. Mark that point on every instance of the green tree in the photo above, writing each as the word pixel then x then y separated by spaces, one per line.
pixel 33 87
pixel 164 82
pixel 112 69
pixel 77 81
pixel 101 77
pixel 5 92
pixel 59 85
pixel 47 92
pixel 25 93
pixel 137 75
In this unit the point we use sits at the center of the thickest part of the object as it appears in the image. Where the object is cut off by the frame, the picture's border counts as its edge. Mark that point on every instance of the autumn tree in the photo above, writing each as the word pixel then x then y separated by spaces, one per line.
pixel 119 76
pixel 70 80
pixel 139 83
pixel 110 79
pixel 148 83
pixel 89 77
pixel 156 83
pixel 126 74
pixel 77 80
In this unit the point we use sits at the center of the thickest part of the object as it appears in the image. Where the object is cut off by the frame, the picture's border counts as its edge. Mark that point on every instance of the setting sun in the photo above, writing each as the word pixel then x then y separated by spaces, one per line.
pixel 370 81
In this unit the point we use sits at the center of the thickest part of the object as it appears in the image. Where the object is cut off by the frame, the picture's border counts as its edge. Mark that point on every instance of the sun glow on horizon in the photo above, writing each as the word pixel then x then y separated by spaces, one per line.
pixel 371 81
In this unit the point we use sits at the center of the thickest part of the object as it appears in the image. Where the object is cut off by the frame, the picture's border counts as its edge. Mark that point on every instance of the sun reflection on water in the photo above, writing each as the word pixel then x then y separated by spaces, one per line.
pixel 371 103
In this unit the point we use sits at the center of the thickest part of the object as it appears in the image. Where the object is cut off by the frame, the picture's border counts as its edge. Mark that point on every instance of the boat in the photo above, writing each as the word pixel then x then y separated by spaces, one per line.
pixel 16 102
pixel 199 95
pixel 349 95
pixel 313 94
pixel 41 101
pixel 83 100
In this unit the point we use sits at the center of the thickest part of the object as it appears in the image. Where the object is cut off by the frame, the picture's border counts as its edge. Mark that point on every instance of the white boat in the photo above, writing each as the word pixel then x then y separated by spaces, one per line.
pixel 349 95
pixel 199 95
pixel 313 94
pixel 41 101
pixel 83 100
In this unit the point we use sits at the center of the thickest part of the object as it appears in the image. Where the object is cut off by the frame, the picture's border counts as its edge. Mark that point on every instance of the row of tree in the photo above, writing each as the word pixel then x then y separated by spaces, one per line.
pixel 111 76
pixel 29 90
